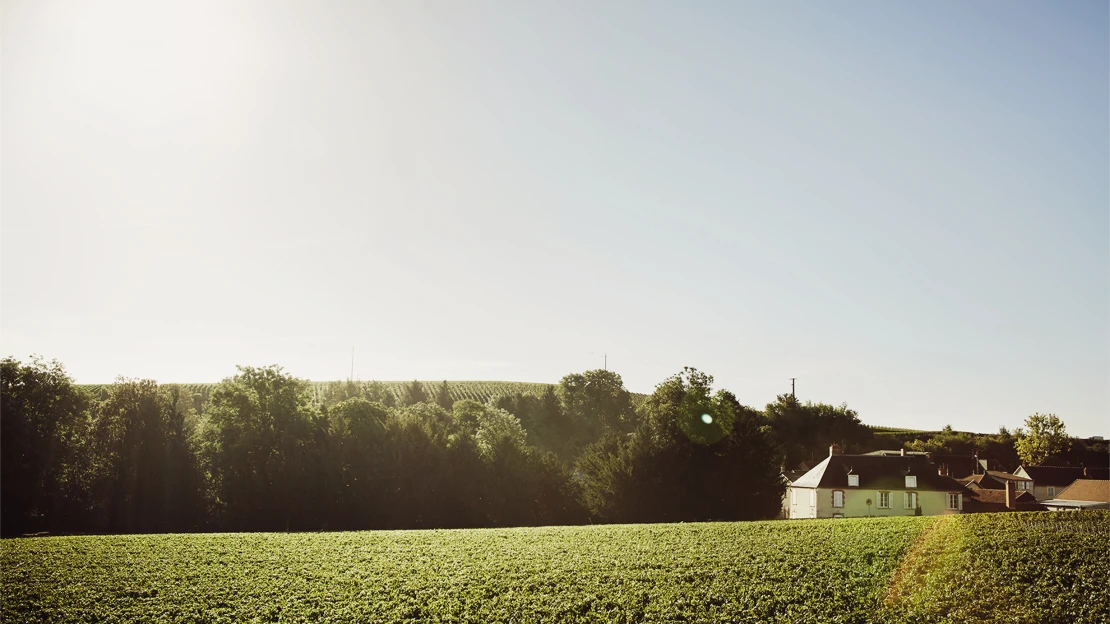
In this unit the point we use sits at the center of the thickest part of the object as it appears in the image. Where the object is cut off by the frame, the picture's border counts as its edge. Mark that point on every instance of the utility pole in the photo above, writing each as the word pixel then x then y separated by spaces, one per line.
pixel 792 395
pixel 605 362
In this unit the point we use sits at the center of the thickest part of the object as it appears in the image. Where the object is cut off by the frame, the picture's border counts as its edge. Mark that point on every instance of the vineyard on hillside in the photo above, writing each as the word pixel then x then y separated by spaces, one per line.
pixel 480 391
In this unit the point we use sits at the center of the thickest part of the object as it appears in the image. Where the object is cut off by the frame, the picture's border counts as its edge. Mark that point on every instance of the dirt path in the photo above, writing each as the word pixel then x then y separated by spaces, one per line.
pixel 919 560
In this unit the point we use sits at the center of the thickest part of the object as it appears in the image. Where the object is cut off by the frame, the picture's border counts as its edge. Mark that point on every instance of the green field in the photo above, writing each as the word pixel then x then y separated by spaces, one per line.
pixel 1033 567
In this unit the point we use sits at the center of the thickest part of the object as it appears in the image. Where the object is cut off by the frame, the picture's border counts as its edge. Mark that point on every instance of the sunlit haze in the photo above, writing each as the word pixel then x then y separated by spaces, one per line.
pixel 902 205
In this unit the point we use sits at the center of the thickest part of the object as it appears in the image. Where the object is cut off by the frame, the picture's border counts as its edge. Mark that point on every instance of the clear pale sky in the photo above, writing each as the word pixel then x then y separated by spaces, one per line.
pixel 904 205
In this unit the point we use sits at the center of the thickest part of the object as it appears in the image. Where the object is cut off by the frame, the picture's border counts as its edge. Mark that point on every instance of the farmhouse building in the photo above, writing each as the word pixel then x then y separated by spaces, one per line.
pixel 1082 494
pixel 993 500
pixel 844 486
pixel 1049 481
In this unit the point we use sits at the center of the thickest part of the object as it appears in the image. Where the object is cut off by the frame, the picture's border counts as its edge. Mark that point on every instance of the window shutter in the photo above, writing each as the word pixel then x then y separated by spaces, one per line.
pixel 960 502
pixel 906 500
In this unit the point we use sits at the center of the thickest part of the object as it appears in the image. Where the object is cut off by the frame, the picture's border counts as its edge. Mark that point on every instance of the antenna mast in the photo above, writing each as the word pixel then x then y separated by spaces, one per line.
pixel 792 395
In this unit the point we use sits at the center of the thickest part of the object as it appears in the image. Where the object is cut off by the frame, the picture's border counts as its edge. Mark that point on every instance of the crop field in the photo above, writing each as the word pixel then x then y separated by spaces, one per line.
pixel 1039 567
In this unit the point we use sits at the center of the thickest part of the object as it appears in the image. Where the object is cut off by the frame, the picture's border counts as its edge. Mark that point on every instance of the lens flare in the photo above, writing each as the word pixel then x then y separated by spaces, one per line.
pixel 707 419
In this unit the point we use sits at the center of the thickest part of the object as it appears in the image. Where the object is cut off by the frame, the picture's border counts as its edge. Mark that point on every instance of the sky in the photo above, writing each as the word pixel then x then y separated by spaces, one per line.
pixel 906 206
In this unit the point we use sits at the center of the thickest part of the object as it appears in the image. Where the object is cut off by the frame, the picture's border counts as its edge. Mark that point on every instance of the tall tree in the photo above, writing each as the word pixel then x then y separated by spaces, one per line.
pixel 443 396
pixel 1042 436
pixel 804 431
pixel 257 444
pixel 696 455
pixel 41 414
pixel 414 393
pixel 141 473
pixel 596 401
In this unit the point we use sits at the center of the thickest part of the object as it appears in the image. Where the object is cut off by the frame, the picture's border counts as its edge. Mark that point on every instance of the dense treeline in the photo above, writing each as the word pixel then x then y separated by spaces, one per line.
pixel 263 452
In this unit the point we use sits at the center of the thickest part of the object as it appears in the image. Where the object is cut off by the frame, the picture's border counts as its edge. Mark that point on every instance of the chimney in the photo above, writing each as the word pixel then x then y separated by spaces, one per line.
pixel 834 450
pixel 975 469
pixel 903 451
pixel 1010 503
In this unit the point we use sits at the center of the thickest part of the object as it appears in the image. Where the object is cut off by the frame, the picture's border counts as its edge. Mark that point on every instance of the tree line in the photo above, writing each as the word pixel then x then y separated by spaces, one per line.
pixel 262 454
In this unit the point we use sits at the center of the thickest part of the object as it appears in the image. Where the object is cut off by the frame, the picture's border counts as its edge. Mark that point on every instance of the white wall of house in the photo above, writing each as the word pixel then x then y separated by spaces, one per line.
pixel 821 503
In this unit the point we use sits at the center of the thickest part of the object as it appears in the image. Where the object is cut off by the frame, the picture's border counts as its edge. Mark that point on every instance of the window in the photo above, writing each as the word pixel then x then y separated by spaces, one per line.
pixel 793 496
pixel 1051 492
pixel 838 498
pixel 954 501
pixel 909 500
pixel 813 498
pixel 884 500
pixel 911 482
pixel 838 515
pixel 853 480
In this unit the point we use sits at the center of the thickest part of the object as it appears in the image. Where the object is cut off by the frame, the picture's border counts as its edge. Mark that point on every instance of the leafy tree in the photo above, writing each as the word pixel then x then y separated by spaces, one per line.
pixel 596 401
pixel 257 445
pixel 414 393
pixel 142 474
pixel 41 414
pixel 499 432
pixel 804 431
pixel 377 392
pixel 443 396
pixel 358 439
pixel 1042 436
pixel 696 455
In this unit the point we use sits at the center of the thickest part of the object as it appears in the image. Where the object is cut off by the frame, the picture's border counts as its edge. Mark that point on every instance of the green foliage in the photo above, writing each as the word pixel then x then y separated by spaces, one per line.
pixel 42 417
pixel 696 455
pixel 1042 567
pixel 443 396
pixel 140 470
pixel 1044 435
pixel 804 431
pixel 257 446
pixel 823 571
pixel 414 393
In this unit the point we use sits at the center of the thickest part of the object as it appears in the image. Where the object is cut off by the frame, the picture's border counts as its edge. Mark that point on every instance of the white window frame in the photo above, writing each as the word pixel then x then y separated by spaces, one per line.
pixel 838 498
pixel 882 496
pixel 1051 491
pixel 909 500
pixel 813 498
pixel 853 480
pixel 793 496
pixel 954 502
pixel 911 481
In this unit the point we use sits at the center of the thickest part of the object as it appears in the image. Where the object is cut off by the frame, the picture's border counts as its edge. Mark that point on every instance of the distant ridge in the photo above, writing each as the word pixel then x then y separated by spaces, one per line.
pixel 480 391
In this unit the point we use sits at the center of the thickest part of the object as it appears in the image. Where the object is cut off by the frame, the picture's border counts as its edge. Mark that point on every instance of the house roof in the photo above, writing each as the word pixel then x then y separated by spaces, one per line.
pixel 1063 475
pixel 1002 477
pixel 984 481
pixel 1089 490
pixel 995 500
pixel 877 472
pixel 963 465
pixel 792 475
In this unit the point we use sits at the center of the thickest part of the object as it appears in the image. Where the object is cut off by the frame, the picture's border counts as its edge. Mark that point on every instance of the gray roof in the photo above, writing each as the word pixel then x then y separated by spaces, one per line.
pixel 877 472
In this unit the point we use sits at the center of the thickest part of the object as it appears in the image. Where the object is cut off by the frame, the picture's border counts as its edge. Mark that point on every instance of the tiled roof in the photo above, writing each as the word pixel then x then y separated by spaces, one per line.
pixel 984 481
pixel 1094 490
pixel 995 500
pixel 877 472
